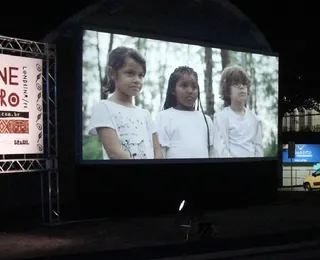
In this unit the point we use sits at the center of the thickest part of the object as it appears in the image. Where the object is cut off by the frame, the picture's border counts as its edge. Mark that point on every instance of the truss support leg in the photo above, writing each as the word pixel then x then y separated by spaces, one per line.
pixel 50 194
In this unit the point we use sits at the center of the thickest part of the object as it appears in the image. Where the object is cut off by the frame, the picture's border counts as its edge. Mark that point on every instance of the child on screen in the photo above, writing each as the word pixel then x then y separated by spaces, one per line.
pixel 126 131
pixel 237 130
pixel 183 131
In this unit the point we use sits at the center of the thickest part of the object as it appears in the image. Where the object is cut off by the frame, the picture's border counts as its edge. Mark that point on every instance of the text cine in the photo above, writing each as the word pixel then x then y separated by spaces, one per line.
pixel 9 78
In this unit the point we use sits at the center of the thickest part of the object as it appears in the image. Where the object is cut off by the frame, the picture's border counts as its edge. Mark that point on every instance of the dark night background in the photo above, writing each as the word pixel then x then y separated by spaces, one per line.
pixel 290 29
pixel 87 191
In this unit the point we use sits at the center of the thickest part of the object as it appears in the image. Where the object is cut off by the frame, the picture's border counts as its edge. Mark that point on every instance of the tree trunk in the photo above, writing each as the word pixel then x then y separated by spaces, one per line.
pixel 254 85
pixel 104 95
pixel 99 66
pixel 247 65
pixel 162 78
pixel 225 58
pixel 208 82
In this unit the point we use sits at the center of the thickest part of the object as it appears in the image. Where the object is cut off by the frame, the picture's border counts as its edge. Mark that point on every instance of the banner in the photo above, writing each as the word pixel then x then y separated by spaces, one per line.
pixel 21 105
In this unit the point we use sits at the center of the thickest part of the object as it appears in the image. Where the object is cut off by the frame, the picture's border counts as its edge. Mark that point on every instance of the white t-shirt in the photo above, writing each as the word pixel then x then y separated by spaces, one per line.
pixel 184 133
pixel 134 127
pixel 242 134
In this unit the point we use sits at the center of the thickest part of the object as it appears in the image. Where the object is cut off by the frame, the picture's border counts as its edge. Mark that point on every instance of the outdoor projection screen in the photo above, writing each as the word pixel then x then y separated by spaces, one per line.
pixel 214 130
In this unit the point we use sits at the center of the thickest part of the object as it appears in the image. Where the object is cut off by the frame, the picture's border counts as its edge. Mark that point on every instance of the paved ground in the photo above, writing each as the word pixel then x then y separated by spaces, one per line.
pixel 300 188
pixel 293 220
pixel 296 251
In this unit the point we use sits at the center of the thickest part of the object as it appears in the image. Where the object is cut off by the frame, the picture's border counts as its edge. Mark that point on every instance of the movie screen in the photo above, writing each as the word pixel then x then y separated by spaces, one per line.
pixel 152 99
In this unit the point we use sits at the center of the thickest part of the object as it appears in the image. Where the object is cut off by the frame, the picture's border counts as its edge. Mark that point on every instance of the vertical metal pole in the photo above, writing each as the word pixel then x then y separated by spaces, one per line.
pixel 58 194
pixel 50 197
pixel 48 102
pixel 291 172
pixel 55 105
pixel 56 166
pixel 42 198
pixel 48 157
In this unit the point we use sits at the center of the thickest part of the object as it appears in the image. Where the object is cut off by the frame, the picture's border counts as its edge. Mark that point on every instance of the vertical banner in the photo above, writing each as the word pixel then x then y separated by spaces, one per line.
pixel 21 105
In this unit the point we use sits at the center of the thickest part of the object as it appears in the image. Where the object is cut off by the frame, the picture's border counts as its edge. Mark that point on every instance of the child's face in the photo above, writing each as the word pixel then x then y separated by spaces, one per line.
pixel 129 79
pixel 186 91
pixel 238 93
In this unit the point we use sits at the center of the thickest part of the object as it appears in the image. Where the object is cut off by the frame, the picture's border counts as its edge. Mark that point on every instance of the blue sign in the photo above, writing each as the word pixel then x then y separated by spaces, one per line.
pixel 309 153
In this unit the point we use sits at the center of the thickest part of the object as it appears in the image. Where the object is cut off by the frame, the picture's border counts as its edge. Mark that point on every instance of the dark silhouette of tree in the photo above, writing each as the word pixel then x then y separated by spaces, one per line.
pixel 162 78
pixel 246 65
pixel 300 94
pixel 110 43
pixel 208 81
pixel 104 81
pixel 225 58
pixel 99 65
pixel 299 84
pixel 251 70
pixel 254 84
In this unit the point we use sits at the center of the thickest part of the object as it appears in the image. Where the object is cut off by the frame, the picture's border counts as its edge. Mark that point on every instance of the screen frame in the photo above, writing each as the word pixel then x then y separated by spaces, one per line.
pixel 133 33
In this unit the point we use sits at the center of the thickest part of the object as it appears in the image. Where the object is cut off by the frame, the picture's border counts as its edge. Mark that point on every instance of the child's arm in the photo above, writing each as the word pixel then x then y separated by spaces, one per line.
pixel 111 144
pixel 210 125
pixel 101 124
pixel 156 147
pixel 162 136
pixel 220 149
pixel 258 149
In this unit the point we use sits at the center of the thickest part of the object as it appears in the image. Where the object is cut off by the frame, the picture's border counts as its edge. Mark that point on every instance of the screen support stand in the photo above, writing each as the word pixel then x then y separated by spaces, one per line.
pixel 50 178
pixel 50 194
pixel 203 228
pixel 291 173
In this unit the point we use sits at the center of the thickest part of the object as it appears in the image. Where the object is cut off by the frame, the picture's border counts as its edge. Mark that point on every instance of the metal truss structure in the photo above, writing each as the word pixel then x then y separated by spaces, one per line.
pixel 45 164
